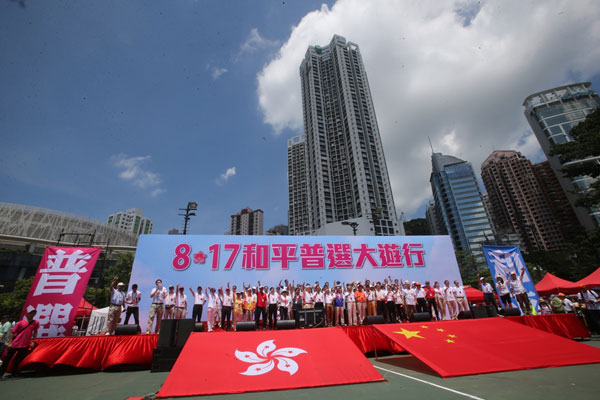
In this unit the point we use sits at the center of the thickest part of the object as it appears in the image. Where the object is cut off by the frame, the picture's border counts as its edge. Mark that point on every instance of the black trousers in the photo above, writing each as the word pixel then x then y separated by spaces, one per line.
pixel 380 307
pixel 272 315
pixel 400 312
pixel 226 315
pixel 18 353
pixel 390 311
pixel 197 312
pixel 283 312
pixel 135 311
pixel 432 304
pixel 421 304
pixel 490 299
pixel 260 311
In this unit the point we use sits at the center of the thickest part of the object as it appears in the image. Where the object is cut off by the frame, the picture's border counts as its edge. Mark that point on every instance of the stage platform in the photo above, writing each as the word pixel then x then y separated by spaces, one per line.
pixel 101 353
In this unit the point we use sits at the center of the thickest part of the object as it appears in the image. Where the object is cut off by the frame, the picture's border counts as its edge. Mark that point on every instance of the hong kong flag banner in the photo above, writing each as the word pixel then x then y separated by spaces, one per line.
pixel 259 361
pixel 469 347
pixel 58 287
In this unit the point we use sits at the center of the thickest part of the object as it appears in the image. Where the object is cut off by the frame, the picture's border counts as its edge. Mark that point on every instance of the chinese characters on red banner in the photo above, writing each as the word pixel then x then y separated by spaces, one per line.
pixel 310 256
pixel 58 287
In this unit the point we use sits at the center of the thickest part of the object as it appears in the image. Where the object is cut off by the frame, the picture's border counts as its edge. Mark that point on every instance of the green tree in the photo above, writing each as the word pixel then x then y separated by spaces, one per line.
pixel 417 227
pixel 100 297
pixel 12 303
pixel 469 268
pixel 586 145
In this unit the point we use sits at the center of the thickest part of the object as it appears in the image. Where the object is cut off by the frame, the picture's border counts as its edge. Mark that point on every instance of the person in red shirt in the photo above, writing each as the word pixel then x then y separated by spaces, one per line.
pixel 431 301
pixel 21 338
pixel 261 307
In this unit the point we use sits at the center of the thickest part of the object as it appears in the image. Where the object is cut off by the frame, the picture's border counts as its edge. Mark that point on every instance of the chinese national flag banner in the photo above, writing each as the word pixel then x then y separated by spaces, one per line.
pixel 58 287
pixel 468 347
pixel 242 362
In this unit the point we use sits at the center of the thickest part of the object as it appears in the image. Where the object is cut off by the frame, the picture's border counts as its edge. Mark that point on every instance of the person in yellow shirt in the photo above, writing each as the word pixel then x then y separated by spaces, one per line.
pixel 238 312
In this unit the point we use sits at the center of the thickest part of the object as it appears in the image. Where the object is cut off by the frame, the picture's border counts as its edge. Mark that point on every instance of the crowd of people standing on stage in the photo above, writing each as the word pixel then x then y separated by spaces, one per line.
pixel 342 303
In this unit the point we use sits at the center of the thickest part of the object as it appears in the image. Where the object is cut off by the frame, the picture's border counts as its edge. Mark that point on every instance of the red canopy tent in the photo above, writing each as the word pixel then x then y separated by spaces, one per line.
pixel 552 284
pixel 591 281
pixel 84 309
pixel 473 295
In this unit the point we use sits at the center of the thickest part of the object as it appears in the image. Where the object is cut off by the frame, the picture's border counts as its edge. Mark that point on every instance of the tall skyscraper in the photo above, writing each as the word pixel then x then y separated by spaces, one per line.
pixel 434 219
pixel 344 166
pixel 518 203
pixel 560 208
pixel 298 215
pixel 247 222
pixel 552 114
pixel 131 221
pixel 459 201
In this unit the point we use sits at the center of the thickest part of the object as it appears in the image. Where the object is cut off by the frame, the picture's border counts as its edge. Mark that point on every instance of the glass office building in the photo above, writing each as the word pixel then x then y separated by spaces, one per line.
pixel 552 114
pixel 459 201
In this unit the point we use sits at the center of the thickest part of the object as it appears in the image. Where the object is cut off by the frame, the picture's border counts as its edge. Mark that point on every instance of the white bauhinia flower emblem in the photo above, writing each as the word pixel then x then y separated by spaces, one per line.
pixel 265 362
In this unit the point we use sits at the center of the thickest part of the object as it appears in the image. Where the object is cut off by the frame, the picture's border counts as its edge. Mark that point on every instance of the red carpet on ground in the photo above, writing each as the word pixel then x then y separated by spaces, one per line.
pixel 469 347
pixel 266 360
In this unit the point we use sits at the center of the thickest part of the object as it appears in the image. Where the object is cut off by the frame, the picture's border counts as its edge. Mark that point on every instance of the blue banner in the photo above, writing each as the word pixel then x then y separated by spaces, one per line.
pixel 213 261
pixel 504 260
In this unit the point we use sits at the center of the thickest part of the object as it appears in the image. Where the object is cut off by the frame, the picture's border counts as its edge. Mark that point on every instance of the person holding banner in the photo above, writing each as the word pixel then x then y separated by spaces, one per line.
pixel 117 302
pixel 158 295
pixel 21 337
pixel 516 286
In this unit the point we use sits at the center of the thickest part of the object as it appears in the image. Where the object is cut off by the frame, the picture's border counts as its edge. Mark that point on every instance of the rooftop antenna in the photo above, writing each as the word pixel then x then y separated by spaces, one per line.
pixel 430 145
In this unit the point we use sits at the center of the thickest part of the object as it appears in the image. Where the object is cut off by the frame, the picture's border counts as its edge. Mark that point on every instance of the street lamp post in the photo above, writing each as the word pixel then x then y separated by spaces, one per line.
pixel 191 206
pixel 353 225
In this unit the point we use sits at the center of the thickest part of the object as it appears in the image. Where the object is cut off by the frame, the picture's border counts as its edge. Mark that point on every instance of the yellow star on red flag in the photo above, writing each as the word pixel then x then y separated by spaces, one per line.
pixel 410 334
pixel 424 326
pixel 449 340
pixel 441 330
pixel 452 336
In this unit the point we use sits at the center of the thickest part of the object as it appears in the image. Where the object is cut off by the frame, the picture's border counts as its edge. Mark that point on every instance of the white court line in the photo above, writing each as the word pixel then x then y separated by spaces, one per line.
pixel 429 383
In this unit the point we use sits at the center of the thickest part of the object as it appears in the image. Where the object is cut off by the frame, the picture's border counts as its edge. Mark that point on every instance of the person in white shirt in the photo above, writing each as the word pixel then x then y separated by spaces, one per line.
pixel 589 298
pixel 199 301
pixel 516 286
pixel 461 297
pixel 212 309
pixel 180 303
pixel 350 305
pixel 440 298
pixel 399 301
pixel 420 295
pixel 567 304
pixel 450 300
pixel 226 305
pixel 158 295
pixel 285 302
pixel 503 290
pixel 272 301
pixel 132 300
pixel 488 292
pixel 329 306
pixel 410 300
pixel 309 298
pixel 170 303
pixel 117 302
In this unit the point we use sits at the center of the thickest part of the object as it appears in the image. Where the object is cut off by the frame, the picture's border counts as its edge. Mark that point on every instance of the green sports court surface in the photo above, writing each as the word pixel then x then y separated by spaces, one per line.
pixel 405 378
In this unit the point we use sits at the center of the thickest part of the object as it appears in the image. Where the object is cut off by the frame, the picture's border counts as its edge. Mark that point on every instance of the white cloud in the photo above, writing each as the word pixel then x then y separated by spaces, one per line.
pixel 454 71
pixel 217 72
pixel 255 42
pixel 133 170
pixel 224 177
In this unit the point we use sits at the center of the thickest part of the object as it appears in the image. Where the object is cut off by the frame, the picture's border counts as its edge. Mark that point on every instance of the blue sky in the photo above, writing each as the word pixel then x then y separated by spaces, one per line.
pixel 110 105
pixel 88 86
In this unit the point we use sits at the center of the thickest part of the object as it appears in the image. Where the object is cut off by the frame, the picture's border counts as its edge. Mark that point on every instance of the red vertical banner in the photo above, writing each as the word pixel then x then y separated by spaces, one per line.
pixel 58 287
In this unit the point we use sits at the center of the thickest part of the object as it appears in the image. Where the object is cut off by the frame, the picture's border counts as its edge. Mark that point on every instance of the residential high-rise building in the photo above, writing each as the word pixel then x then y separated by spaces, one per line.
pixel 517 201
pixel 434 219
pixel 458 200
pixel 131 221
pixel 344 166
pixel 552 114
pixel 298 215
pixel 560 208
pixel 247 222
